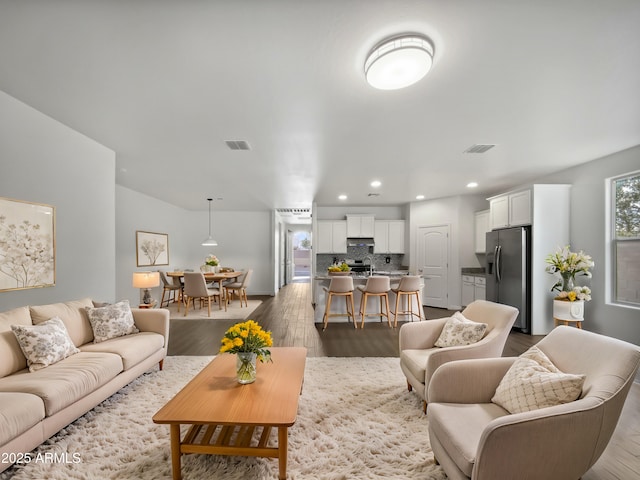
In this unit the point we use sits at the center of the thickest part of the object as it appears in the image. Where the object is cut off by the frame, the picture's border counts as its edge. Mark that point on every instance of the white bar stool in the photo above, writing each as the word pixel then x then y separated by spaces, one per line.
pixel 340 287
pixel 376 286
pixel 409 286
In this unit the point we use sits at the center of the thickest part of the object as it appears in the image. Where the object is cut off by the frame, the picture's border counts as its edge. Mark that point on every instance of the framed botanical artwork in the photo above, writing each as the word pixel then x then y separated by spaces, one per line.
pixel 27 245
pixel 152 249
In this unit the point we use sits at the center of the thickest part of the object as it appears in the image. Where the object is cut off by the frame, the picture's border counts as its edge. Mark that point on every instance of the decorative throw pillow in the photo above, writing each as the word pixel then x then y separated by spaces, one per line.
pixel 44 344
pixel 111 321
pixel 533 382
pixel 460 331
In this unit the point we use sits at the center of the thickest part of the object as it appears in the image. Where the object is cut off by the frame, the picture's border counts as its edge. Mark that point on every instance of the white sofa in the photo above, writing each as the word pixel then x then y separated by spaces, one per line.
pixel 36 405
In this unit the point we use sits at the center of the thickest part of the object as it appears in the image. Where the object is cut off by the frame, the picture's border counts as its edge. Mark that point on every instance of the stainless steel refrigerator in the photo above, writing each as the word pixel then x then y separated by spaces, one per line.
pixel 508 270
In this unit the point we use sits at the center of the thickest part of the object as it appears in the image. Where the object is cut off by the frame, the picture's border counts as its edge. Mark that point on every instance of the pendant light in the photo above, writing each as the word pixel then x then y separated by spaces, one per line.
pixel 210 242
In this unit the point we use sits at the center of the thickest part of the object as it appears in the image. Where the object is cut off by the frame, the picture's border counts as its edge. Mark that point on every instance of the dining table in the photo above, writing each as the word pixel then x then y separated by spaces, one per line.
pixel 210 277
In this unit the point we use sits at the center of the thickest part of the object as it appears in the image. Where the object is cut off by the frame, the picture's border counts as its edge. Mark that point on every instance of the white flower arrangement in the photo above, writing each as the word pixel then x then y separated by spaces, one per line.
pixel 212 260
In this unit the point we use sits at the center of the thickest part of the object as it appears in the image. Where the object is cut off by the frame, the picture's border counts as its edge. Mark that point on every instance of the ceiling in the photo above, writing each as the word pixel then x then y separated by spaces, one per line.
pixel 165 83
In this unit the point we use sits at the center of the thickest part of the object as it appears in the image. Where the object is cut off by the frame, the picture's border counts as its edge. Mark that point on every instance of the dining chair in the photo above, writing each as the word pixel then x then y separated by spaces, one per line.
pixel 195 287
pixel 408 287
pixel 376 286
pixel 172 290
pixel 240 288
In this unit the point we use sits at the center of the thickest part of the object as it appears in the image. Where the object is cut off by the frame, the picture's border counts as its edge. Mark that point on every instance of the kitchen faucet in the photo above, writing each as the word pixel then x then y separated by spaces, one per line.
pixel 370 258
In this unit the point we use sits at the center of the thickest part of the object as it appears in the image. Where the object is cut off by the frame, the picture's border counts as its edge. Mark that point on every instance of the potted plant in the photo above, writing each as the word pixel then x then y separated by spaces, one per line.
pixel 210 263
pixel 568 305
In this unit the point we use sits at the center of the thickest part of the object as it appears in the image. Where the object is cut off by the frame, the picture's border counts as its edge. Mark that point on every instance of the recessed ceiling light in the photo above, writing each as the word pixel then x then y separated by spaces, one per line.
pixel 472 184
pixel 399 61
pixel 342 197
pixel 376 183
pixel 419 197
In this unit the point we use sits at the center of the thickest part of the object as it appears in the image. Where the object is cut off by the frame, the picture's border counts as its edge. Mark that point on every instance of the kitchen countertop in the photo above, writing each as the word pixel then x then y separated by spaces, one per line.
pixel 475 271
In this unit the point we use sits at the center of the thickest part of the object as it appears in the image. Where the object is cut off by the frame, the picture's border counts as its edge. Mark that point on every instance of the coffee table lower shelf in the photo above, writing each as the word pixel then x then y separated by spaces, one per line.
pixel 242 440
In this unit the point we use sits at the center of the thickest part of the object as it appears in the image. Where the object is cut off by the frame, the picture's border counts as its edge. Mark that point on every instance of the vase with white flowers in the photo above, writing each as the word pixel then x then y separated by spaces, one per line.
pixel 210 263
pixel 568 305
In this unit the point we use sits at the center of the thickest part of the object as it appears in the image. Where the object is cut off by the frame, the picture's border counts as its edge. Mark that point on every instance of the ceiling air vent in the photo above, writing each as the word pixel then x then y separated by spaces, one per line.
pixel 238 144
pixel 479 148
pixel 298 212
pixel 373 195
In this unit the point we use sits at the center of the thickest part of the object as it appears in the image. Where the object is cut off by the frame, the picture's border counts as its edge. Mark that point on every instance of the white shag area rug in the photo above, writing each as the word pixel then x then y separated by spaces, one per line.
pixel 356 420
pixel 234 311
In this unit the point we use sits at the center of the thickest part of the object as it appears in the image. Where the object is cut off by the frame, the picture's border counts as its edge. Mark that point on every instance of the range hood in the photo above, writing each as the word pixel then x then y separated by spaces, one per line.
pixel 360 242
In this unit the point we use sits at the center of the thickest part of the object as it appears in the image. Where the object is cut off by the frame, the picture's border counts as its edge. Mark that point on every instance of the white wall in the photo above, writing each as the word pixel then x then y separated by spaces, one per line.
pixel 244 240
pixel 587 232
pixel 458 213
pixel 135 211
pixel 44 161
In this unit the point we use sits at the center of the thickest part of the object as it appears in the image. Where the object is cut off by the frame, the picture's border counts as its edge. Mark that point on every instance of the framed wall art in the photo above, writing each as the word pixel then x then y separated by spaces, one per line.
pixel 152 249
pixel 27 245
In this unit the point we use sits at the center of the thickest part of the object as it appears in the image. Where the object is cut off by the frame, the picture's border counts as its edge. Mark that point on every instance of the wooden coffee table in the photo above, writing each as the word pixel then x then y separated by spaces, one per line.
pixel 227 418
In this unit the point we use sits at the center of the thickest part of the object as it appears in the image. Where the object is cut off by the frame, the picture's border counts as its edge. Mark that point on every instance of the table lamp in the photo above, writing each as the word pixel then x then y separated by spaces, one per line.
pixel 146 280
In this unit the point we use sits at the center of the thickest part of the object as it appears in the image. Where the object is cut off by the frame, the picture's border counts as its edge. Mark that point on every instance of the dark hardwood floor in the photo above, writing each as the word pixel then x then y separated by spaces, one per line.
pixel 289 316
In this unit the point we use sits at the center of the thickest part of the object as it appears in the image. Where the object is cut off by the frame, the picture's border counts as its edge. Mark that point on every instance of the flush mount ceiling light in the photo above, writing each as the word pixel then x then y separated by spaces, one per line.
pixel 376 183
pixel 209 242
pixel 399 62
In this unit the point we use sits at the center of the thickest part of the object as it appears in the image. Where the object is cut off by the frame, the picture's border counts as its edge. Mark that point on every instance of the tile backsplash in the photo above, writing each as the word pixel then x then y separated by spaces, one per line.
pixel 324 260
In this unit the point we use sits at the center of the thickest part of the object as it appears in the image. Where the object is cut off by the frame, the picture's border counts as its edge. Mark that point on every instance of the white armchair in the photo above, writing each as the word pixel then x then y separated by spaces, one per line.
pixel 419 357
pixel 473 438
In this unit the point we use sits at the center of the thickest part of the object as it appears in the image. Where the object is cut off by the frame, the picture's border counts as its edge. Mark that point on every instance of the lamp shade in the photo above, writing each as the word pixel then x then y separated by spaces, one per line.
pixel 398 62
pixel 146 279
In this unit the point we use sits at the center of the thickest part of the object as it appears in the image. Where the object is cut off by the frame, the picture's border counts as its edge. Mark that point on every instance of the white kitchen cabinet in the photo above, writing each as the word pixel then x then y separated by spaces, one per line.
pixel 332 236
pixel 481 229
pixel 361 226
pixel 479 288
pixel 468 287
pixel 473 288
pixel 389 236
pixel 510 210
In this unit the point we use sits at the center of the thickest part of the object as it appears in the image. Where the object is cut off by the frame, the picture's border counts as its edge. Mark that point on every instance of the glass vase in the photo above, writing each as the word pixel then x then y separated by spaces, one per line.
pixel 567 282
pixel 246 367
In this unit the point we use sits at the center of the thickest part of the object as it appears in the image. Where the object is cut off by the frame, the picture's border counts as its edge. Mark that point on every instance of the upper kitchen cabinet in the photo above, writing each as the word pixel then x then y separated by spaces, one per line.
pixel 360 226
pixel 389 236
pixel 510 210
pixel 481 228
pixel 332 236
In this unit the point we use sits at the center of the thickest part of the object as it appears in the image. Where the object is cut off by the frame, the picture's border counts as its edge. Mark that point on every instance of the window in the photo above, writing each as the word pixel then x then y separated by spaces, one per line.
pixel 626 239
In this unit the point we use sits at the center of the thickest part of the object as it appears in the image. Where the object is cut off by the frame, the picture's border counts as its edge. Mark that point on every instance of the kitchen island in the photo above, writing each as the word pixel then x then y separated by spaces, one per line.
pixel 373 304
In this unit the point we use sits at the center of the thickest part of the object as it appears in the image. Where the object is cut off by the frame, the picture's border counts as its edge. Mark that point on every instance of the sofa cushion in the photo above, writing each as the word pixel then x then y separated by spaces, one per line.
pixel 533 382
pixel 459 427
pixel 111 321
pixel 72 315
pixel 460 331
pixel 132 348
pixel 44 344
pixel 67 381
pixel 11 357
pixel 18 413
pixel 416 361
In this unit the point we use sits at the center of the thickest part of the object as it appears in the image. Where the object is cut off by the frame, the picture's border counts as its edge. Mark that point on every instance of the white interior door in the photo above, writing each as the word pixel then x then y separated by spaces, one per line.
pixel 433 264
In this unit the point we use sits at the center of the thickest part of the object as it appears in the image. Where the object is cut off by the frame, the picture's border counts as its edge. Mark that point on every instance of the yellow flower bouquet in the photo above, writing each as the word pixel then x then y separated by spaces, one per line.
pixel 249 342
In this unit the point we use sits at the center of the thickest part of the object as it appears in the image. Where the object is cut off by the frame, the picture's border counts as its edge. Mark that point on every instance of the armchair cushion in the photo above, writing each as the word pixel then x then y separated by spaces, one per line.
pixel 534 382
pixel 460 331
